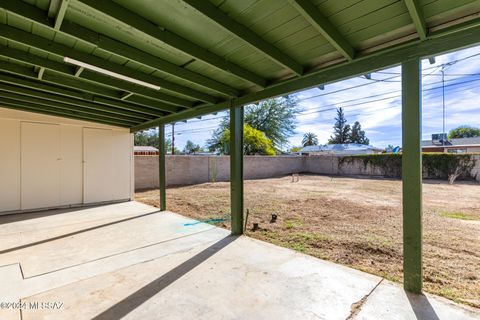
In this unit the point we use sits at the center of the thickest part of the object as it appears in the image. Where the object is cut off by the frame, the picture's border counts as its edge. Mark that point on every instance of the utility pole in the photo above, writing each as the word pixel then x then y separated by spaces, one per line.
pixel 173 138
pixel 443 104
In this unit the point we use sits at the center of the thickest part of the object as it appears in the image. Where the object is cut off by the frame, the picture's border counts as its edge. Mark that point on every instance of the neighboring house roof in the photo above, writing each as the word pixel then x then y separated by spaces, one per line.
pixel 339 148
pixel 454 142
pixel 144 149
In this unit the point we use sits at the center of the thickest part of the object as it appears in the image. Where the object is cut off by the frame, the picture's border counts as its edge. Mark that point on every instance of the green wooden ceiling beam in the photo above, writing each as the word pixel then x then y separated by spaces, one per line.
pixel 38 15
pixel 149 107
pixel 86 89
pixel 127 86
pixel 152 104
pixel 310 12
pixel 60 50
pixel 417 17
pixel 237 29
pixel 32 107
pixel 92 77
pixel 134 54
pixel 464 35
pixel 21 8
pixel 165 108
pixel 62 9
pixel 49 103
pixel 76 103
pixel 175 41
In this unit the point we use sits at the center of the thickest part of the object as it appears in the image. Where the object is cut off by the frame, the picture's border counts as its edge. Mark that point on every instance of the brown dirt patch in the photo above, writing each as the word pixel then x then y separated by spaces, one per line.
pixel 355 222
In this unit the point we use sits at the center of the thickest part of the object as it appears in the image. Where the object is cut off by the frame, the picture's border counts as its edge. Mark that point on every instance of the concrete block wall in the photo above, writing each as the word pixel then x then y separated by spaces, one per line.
pixel 185 170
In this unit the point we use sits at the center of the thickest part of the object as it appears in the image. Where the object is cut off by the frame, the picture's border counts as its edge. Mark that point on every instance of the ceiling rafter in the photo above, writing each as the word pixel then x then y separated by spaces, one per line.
pixel 36 108
pixel 417 17
pixel 62 9
pixel 56 80
pixel 60 50
pixel 310 12
pixel 451 38
pixel 33 13
pixel 72 101
pixel 237 29
pixel 49 103
pixel 173 40
pixel 91 76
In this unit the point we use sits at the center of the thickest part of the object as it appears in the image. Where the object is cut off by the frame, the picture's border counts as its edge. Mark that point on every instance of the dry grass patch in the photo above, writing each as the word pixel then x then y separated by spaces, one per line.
pixel 355 222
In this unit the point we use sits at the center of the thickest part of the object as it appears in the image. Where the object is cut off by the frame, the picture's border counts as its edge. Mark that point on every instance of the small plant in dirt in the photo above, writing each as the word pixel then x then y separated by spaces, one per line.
pixel 459 215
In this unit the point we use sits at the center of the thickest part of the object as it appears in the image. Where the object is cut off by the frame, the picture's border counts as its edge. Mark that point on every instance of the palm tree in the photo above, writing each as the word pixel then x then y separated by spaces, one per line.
pixel 309 139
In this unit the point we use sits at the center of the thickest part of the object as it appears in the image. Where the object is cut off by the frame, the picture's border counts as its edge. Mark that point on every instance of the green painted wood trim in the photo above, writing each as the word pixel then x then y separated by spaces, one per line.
pixel 236 169
pixel 48 103
pixel 440 42
pixel 175 41
pixel 62 9
pixel 412 175
pixel 60 50
pixel 162 185
pixel 237 29
pixel 310 12
pixel 31 107
pixel 417 17
pixel 20 89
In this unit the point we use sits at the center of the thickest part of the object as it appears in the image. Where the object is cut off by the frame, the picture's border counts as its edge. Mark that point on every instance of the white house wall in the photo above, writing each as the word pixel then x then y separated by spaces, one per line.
pixel 43 164
pixel 9 164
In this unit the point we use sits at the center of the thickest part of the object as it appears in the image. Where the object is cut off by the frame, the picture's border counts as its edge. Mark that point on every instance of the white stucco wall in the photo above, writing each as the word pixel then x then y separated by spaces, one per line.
pixel 43 162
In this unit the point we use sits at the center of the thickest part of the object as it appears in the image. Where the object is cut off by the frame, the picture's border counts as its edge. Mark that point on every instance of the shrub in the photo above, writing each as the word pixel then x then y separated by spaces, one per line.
pixel 435 165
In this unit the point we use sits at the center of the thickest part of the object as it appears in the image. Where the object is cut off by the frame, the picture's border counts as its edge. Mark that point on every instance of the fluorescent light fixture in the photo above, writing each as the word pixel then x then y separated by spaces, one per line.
pixel 110 73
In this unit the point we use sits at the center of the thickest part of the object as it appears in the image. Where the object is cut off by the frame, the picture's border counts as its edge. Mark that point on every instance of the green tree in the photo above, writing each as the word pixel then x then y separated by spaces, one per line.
pixel 295 149
pixel 191 147
pixel 357 135
pixel 254 142
pixel 464 132
pixel 341 133
pixel 309 139
pixel 150 138
pixel 274 117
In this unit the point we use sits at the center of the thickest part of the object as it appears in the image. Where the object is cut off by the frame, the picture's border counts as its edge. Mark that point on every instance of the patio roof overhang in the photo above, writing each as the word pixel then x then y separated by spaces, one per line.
pixel 207 56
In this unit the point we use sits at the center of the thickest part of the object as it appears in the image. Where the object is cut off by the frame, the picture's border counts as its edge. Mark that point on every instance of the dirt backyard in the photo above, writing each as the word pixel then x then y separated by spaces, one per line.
pixel 355 222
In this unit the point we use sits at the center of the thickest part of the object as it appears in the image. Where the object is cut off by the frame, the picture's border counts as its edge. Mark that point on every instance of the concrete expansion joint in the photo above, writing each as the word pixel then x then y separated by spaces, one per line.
pixel 357 306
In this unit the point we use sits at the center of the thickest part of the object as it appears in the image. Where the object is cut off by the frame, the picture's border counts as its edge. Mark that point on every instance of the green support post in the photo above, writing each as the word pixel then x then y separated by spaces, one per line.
pixel 161 167
pixel 236 169
pixel 412 175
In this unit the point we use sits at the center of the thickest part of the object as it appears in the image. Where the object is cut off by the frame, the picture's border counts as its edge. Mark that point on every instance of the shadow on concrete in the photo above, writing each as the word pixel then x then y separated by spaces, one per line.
pixel 421 307
pixel 66 235
pixel 22 216
pixel 133 301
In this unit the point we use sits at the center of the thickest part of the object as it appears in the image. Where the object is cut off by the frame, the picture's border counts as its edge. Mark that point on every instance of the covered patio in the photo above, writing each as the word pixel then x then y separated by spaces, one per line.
pixel 138 65
pixel 80 263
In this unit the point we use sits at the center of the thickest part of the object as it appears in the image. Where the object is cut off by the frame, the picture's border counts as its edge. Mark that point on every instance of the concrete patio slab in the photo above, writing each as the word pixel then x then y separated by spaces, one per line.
pixel 128 260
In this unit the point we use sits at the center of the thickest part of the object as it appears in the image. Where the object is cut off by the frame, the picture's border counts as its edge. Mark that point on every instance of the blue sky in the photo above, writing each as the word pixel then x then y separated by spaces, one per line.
pixel 376 103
